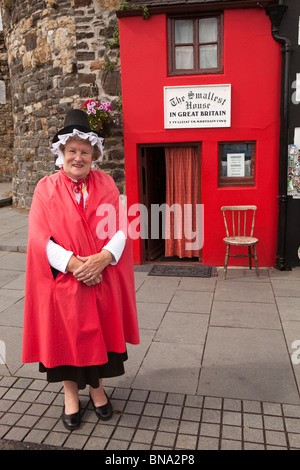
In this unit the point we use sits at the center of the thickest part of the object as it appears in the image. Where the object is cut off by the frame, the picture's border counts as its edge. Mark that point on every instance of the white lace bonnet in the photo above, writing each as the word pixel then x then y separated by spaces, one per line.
pixel 76 123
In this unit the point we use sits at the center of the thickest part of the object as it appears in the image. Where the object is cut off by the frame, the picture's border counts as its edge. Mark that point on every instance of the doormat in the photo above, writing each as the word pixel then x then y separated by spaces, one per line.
pixel 181 271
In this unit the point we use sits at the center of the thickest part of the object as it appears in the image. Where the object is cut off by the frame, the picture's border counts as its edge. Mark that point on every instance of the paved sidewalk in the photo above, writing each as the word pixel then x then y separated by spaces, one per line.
pixel 216 367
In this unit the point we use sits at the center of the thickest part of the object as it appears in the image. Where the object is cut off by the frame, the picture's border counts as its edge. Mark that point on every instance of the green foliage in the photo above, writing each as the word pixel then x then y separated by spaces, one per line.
pixel 109 65
pixel 124 5
pixel 115 43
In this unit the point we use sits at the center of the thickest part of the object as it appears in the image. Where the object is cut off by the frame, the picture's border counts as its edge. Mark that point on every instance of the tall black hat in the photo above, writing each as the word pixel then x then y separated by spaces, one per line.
pixel 75 119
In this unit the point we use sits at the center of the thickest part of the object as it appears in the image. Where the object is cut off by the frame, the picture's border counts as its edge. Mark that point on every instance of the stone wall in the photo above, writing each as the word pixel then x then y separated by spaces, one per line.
pixel 6 121
pixel 60 53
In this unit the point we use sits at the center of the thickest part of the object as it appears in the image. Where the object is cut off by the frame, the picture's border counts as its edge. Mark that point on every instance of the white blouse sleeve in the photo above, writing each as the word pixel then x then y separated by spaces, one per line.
pixel 57 256
pixel 116 246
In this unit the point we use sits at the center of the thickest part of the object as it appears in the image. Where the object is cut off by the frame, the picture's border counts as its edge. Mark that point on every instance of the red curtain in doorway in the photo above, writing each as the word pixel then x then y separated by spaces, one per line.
pixel 182 188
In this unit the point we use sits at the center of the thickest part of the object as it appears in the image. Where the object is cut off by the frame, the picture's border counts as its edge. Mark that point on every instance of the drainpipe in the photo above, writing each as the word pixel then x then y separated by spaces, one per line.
pixel 275 13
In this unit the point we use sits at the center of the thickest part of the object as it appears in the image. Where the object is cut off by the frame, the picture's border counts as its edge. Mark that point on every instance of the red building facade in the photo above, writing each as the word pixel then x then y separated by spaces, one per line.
pixel 237 159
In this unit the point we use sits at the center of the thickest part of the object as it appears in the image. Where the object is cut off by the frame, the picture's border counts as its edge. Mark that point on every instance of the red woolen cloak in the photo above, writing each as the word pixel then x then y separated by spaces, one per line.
pixel 65 321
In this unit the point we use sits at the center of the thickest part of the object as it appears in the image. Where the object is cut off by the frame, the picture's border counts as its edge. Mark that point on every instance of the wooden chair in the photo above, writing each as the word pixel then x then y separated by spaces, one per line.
pixel 236 217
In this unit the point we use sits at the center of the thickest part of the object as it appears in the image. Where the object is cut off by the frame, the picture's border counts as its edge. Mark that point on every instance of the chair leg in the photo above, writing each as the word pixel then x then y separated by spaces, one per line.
pixel 256 261
pixel 226 260
pixel 250 257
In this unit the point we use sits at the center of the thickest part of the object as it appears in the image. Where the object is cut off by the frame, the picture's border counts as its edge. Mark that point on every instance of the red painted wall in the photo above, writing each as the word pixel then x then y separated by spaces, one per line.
pixel 252 65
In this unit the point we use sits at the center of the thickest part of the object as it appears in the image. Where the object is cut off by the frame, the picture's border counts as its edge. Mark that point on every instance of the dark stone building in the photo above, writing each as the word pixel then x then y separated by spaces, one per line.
pixel 6 117
pixel 60 53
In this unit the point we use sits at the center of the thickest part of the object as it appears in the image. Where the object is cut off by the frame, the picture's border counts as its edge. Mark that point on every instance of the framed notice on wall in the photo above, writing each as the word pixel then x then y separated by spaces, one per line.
pixel 197 106
pixel 235 164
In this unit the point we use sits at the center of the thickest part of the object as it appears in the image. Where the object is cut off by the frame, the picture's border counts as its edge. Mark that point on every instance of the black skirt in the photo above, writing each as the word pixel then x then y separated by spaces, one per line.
pixel 89 375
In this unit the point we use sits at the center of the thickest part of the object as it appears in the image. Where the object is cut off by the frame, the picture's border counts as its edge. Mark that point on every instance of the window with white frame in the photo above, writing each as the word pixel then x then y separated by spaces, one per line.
pixel 195 45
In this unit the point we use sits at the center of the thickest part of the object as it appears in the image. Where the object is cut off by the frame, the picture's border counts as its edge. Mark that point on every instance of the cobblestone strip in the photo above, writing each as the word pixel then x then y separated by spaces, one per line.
pixel 30 412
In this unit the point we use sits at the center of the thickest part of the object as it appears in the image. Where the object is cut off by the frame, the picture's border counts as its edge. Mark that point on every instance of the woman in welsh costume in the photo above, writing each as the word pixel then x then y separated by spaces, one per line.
pixel 80 308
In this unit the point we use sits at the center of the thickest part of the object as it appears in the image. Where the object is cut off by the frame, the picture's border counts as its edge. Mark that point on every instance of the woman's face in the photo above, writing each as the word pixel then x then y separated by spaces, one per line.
pixel 77 159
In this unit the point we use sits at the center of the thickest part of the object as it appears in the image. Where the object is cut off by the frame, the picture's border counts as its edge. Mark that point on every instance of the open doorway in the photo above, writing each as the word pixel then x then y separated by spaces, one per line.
pixel 170 178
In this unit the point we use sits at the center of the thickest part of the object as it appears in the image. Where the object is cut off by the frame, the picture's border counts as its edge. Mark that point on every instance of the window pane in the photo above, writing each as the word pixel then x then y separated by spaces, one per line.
pixel 184 32
pixel 184 57
pixel 208 30
pixel 236 159
pixel 208 57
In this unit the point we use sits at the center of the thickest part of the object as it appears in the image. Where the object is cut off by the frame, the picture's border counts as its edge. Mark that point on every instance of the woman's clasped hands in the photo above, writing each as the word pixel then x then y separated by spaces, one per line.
pixel 88 269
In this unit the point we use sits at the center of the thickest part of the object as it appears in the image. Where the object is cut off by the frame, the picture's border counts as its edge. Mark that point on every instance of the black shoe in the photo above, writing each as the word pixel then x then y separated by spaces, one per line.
pixel 71 422
pixel 103 412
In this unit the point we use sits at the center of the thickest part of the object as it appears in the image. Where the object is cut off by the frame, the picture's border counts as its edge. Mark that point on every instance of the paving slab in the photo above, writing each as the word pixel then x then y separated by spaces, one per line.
pixel 29 371
pixel 13 315
pixel 286 288
pixel 18 283
pixel 13 229
pixel 12 224
pixel 9 297
pixel 245 315
pixel 191 302
pixel 293 274
pixel 13 261
pixel 15 241
pixel 240 364
pixel 291 331
pixel 240 291
pixel 150 315
pixel 157 290
pixel 139 278
pixel 198 284
pixel 7 276
pixel 136 354
pixel 170 367
pixel 179 327
pixel 289 308
pixel 245 274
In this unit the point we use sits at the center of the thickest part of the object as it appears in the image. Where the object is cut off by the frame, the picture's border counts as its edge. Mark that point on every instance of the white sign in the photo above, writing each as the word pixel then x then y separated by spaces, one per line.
pixel 197 106
pixel 235 164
